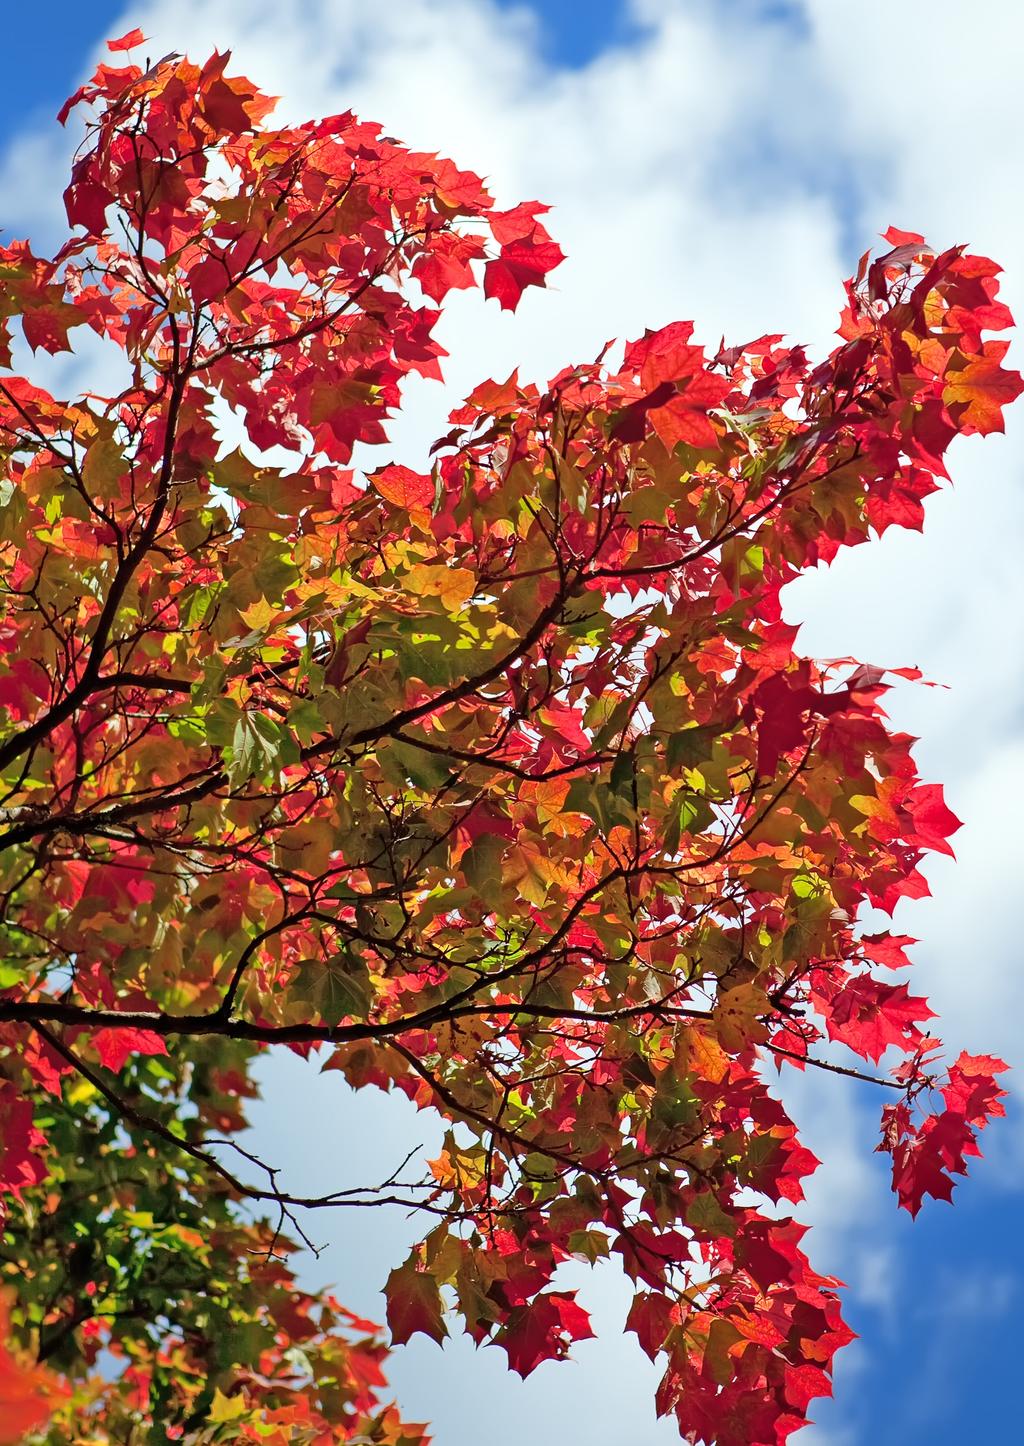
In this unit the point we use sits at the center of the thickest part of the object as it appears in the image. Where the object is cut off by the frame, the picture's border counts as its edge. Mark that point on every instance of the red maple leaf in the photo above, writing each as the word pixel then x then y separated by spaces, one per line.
pixel 127 41
pixel 114 1046
pixel 543 1330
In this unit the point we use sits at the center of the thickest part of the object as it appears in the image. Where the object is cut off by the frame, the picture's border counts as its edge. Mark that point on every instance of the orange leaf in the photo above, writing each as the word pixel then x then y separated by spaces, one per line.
pixel 404 487
pixel 982 388
pixel 27 1393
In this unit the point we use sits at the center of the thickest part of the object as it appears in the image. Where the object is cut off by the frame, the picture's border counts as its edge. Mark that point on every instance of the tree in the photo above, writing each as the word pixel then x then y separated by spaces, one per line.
pixel 500 785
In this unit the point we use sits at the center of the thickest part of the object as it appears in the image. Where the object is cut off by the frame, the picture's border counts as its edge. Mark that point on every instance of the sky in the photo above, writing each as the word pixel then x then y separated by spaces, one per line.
pixel 726 162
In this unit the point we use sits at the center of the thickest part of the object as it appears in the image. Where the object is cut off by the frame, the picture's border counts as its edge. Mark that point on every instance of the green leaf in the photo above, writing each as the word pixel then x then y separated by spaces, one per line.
pixel 592 1244
pixel 599 802
pixel 691 746
pixel 622 773
pixel 481 864
pixel 336 988
pixel 705 1214
pixel 305 720
pixel 426 769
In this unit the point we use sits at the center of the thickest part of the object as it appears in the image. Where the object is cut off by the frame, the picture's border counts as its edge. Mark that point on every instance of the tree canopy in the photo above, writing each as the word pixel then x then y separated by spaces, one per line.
pixel 500 784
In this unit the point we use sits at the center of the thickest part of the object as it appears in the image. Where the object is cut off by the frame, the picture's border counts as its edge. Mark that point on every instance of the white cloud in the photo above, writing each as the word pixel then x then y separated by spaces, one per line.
pixel 720 168
pixel 32 177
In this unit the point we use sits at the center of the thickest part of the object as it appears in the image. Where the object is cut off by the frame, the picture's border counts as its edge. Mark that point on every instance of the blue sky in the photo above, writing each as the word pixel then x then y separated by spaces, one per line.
pixel 724 161
pixel 575 32
pixel 45 58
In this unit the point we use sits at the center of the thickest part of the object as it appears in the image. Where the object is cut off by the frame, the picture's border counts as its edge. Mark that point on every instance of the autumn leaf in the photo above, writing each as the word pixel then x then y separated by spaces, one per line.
pixel 114 1046
pixel 501 786
pixel 980 390
pixel 21 1142
pixel 403 487
pixel 544 1330
pixel 29 1394
pixel 227 1408
pixel 414 1304
pixel 127 41
pixel 527 255
pixel 869 1016
pixel 454 586
pixel 738 1016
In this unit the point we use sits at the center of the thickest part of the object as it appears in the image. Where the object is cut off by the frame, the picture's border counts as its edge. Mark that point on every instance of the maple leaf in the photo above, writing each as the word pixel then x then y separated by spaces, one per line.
pixel 403 487
pixel 803 1383
pixel 887 949
pixel 543 1330
pixel 527 255
pixel 47 325
pixel 869 1016
pixel 447 265
pixel 933 821
pixel 414 1304
pixel 918 1170
pixel 663 355
pixel 651 1317
pixel 86 200
pixel 926 1155
pixel 208 278
pixel 786 704
pixel 20 1141
pixel 738 1014
pixel 680 421
pixel 502 782
pixel 127 41
pixel 981 389
pixel 28 1393
pixel 114 1046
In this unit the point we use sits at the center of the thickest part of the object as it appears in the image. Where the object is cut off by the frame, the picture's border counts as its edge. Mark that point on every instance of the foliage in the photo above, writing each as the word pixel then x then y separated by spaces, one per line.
pixel 500 785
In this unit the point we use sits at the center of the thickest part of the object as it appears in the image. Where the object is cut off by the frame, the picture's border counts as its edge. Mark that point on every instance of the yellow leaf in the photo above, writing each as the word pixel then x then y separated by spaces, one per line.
pixel 453 585
pixel 81 1092
pixel 698 1053
pixel 227 1408
pixel 259 615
